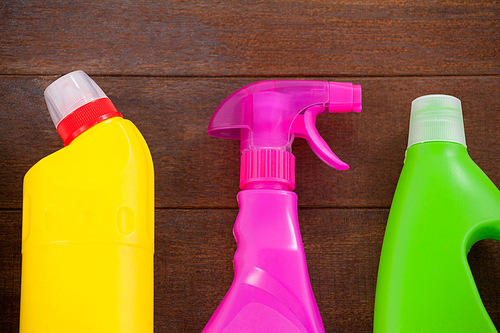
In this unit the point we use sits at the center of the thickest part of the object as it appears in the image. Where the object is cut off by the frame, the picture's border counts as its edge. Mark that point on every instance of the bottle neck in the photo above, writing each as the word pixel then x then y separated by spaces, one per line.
pixel 85 117
pixel 436 152
pixel 96 128
pixel 267 169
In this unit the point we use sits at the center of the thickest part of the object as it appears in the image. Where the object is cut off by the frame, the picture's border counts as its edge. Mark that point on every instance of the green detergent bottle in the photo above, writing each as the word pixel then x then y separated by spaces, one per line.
pixel 443 205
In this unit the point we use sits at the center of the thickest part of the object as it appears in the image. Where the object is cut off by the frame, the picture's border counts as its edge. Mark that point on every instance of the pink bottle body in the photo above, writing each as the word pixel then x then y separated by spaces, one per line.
pixel 271 291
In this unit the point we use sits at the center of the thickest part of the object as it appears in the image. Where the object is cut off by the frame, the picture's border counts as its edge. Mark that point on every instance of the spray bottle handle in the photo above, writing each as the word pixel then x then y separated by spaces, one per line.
pixel 304 126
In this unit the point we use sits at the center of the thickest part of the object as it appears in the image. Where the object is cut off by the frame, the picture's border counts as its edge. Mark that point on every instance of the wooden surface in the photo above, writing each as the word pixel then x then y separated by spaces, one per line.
pixel 167 66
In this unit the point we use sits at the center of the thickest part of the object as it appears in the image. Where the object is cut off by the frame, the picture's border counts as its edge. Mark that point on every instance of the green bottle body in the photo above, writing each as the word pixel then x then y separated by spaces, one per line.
pixel 443 204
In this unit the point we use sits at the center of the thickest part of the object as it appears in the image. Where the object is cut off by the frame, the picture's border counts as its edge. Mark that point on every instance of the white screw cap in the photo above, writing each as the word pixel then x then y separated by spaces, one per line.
pixel 436 118
pixel 69 93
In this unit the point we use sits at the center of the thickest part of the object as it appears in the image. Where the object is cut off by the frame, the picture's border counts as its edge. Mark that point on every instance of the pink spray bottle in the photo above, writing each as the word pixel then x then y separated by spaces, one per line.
pixel 271 291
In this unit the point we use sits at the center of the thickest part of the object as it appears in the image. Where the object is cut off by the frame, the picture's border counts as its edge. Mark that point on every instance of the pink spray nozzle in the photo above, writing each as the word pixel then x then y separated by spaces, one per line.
pixel 270 114
pixel 344 97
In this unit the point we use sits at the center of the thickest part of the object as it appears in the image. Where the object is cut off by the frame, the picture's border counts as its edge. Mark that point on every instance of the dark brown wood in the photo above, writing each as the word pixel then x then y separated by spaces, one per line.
pixel 195 170
pixel 10 270
pixel 484 261
pixel 375 38
pixel 168 65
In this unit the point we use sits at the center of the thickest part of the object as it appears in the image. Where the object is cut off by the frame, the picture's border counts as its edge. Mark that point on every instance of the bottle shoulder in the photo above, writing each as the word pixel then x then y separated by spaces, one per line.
pixel 97 156
pixel 440 183
pixel 442 166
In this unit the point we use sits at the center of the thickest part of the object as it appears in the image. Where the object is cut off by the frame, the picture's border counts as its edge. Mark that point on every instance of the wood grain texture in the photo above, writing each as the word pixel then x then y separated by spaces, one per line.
pixel 193 266
pixel 10 270
pixel 167 65
pixel 193 169
pixel 266 38
pixel 484 261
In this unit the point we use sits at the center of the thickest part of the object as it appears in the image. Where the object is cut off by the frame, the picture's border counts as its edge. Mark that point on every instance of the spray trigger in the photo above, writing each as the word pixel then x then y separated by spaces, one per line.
pixel 304 126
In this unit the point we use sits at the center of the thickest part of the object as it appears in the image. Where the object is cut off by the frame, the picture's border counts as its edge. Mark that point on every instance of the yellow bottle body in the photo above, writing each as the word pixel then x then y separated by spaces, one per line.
pixel 88 235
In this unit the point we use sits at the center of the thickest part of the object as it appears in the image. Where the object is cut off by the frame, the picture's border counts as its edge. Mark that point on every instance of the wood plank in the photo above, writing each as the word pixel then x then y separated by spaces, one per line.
pixel 193 266
pixel 10 270
pixel 168 65
pixel 266 38
pixel 195 170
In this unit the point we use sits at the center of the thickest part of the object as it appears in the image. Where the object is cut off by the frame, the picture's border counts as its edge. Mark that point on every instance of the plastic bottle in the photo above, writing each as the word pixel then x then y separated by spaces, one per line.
pixel 443 204
pixel 88 220
pixel 271 291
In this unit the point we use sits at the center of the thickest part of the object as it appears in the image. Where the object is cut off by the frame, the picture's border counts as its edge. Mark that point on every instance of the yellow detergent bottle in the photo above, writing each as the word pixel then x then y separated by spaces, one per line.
pixel 88 220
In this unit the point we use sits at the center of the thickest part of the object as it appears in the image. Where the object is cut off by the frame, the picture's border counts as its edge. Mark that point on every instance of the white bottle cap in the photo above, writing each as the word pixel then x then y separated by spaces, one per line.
pixel 436 118
pixel 69 93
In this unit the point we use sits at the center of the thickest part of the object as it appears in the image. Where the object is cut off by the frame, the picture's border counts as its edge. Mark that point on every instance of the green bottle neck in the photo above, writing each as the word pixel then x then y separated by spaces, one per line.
pixel 434 151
